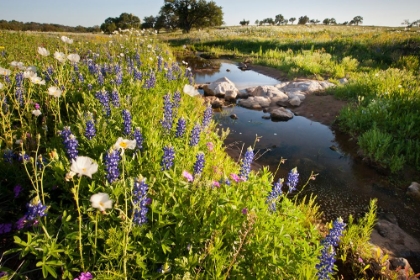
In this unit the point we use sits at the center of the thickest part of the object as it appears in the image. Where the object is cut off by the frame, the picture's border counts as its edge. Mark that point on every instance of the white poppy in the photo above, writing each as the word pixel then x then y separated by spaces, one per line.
pixel 73 57
pixel 124 144
pixel 36 113
pixel 190 90
pixel 60 56
pixel 54 91
pixel 43 51
pixel 37 80
pixel 83 166
pixel 29 74
pixel 17 64
pixel 5 72
pixel 66 40
pixel 1 86
pixel 101 201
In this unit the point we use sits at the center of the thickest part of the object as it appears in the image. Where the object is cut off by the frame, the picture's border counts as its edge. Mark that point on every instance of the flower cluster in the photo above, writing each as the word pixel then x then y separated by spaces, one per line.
pixel 195 135
pixel 181 127
pixel 84 276
pixel 115 99
pixel 35 209
pixel 70 143
pixel 167 113
pixel 90 130
pixel 168 158
pixel 127 122
pixel 151 81
pixel 112 158
pixel 327 258
pixel 207 116
pixel 139 138
pixel 293 179
pixel 199 164
pixel 103 98
pixel 246 164
pixel 140 201
pixel 274 194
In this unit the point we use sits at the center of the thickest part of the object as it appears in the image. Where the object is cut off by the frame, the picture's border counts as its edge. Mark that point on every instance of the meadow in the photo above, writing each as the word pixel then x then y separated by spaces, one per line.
pixel 382 66
pixel 112 168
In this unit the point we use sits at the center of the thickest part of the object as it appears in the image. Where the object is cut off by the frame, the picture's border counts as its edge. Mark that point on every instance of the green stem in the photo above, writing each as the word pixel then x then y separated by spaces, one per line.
pixel 76 198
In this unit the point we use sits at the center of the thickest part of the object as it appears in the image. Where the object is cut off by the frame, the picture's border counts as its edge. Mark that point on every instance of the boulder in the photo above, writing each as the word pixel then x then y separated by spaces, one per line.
pixel 271 92
pixel 220 87
pixel 231 95
pixel 255 102
pixel 281 114
pixel 295 101
pixel 414 191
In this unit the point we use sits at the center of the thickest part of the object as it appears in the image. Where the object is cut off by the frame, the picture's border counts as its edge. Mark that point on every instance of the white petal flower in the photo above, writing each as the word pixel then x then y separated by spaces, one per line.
pixel 73 57
pixel 31 68
pixel 1 86
pixel 17 64
pixel 66 40
pixel 29 74
pixel 54 91
pixel 36 113
pixel 43 51
pixel 125 144
pixel 83 166
pixel 37 80
pixel 190 90
pixel 60 56
pixel 101 201
pixel 5 72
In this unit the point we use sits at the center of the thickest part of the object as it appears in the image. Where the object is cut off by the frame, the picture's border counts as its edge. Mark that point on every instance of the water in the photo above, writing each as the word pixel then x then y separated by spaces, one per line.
pixel 343 186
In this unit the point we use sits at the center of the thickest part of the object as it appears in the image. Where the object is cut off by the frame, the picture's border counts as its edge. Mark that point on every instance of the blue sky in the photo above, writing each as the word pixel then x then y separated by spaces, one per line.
pixel 94 12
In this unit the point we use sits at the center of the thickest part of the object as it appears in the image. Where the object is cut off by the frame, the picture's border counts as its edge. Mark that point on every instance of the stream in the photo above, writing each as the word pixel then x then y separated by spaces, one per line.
pixel 344 185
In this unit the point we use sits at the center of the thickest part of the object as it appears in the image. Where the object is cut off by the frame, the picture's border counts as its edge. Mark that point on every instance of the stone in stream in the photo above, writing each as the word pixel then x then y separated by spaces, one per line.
pixel 281 114
pixel 414 191
pixel 222 87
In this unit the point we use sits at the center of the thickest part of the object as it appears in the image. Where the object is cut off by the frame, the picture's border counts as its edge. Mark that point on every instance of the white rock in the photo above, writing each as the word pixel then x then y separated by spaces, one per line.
pixel 295 101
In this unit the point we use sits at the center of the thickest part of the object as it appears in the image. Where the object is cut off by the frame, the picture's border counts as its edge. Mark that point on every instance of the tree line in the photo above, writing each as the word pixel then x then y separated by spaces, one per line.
pixel 281 20
pixel 44 27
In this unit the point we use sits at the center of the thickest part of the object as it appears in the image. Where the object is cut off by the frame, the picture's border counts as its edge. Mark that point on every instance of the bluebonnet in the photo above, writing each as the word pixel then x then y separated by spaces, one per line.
pixel 181 127
pixel 127 122
pixel 137 57
pixel 41 162
pixel 292 179
pixel 81 79
pixel 115 98
pixel 139 138
pixel 19 95
pixel 199 164
pixel 137 75
pixel 168 158
pixel 5 228
pixel 207 116
pixel 104 100
pixel 246 164
pixel 76 68
pixel 151 81
pixel 327 258
pixel 140 201
pixel 71 144
pixel 90 130
pixel 35 209
pixel 169 75
pixel 177 99
pixel 167 113
pixel 112 159
pixel 101 79
pixel 23 157
pixel 195 135
pixel 7 79
pixel 8 156
pixel 89 86
pixel 159 63
pixel 274 194
pixel 119 78
pixel 19 79
pixel 4 105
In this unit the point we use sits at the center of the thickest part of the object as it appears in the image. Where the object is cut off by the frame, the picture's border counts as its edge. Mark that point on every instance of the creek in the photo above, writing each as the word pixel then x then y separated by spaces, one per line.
pixel 344 184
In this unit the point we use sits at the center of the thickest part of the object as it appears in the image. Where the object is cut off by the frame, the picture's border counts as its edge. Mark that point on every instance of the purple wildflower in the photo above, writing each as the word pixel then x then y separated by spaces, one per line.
pixel 127 122
pixel 90 130
pixel 181 127
pixel 140 201
pixel 89 87
pixel 119 78
pixel 167 113
pixel 35 209
pixel 137 75
pixel 199 164
pixel 20 224
pixel 112 158
pixel 274 194
pixel 215 184
pixel 168 158
pixel 17 190
pixel 246 164
pixel 71 144
pixel 207 116
pixel 8 156
pixel 195 135
pixel 84 276
pixel 100 79
pixel 187 176
pixel 244 211
pixel 81 79
pixel 139 138
pixel 103 98
pixel 293 179
pixel 150 83
pixel 115 99
pixel 5 228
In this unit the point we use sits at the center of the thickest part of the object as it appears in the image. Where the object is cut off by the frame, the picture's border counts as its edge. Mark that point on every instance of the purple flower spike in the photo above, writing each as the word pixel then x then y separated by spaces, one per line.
pixel 246 164
pixel 168 158
pixel 199 164
pixel 293 179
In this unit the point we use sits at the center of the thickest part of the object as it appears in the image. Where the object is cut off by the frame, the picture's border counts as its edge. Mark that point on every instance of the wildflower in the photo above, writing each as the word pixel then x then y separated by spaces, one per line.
pixel 137 75
pixel 83 165
pixel 73 57
pixel 235 178
pixel 167 113
pixel 151 81
pixel 36 113
pixel 35 209
pixel 37 107
pixel 84 276
pixel 17 64
pixel 190 90
pixel 1 86
pixel 274 194
pixel 61 57
pixel 181 127
pixel 244 211
pixel 8 156
pixel 246 164
pixel 216 184
pixel 210 146
pixel 43 51
pixel 5 72
pixel 140 201
pixel 5 228
pixel 293 179
pixel 127 122
pixel 54 91
pixel 115 98
pixel 90 130
pixel 101 201
pixel 20 224
pixel 199 164
pixel 17 190
pixel 207 116
pixel 187 176
pixel 177 99
pixel 66 40
pixel 23 157
pixel 103 98
pixel 327 258
pixel 168 158
pixel 195 135
pixel 37 80
pixel 71 144
pixel 112 158
pixel 139 138
pixel 124 144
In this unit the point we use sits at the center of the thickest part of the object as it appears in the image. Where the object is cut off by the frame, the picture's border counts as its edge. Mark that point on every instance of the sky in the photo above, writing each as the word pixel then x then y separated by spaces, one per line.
pixel 88 13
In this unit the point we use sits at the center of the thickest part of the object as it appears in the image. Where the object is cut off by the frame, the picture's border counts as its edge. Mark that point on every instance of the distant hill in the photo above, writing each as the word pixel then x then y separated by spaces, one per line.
pixel 45 27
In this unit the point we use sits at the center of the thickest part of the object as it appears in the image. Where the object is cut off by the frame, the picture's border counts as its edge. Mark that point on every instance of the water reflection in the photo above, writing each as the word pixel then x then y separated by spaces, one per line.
pixel 344 185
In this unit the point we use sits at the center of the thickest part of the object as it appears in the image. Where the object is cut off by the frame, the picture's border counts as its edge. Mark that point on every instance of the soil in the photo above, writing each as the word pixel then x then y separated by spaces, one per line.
pixel 317 107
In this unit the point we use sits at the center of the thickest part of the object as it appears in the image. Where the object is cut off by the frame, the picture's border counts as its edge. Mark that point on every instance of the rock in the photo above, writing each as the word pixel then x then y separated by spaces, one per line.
pixel 231 95
pixel 271 92
pixel 266 117
pixel 414 191
pixel 255 102
pixel 214 101
pixel 243 66
pixel 233 116
pixel 227 70
pixel 295 101
pixel 242 95
pixel 220 87
pixel 281 114
pixel 343 81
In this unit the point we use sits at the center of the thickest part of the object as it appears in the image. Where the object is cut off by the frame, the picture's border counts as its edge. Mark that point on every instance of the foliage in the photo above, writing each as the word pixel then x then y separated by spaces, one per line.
pixel 116 213
pixel 191 14
pixel 44 27
pixel 303 20
pixel 124 21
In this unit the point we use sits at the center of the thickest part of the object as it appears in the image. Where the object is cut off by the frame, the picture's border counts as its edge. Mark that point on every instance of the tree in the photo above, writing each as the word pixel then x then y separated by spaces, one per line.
pixel 303 20
pixel 188 14
pixel 279 19
pixel 124 21
pixel 257 22
pixel 314 21
pixel 326 21
pixel 356 20
pixel 292 19
pixel 149 22
pixel 333 21
pixel 244 22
